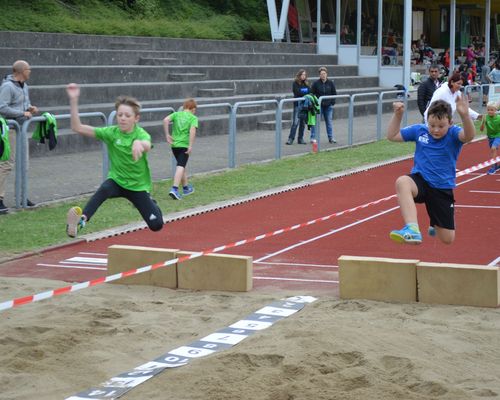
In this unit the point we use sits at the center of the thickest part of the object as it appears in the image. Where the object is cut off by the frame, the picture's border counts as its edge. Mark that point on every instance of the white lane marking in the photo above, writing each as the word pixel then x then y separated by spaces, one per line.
pixel 485 191
pixel 471 206
pixel 272 278
pixel 495 262
pixel 326 234
pixel 86 260
pixel 92 254
pixel 297 264
pixel 70 266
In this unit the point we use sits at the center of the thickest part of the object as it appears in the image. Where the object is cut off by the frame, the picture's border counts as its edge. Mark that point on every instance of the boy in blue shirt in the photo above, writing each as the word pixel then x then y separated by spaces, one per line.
pixel 432 177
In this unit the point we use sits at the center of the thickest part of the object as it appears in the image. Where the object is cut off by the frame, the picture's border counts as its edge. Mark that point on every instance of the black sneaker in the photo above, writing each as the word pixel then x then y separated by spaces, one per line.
pixel 289 141
pixel 301 142
pixel 332 140
pixel 30 203
pixel 3 209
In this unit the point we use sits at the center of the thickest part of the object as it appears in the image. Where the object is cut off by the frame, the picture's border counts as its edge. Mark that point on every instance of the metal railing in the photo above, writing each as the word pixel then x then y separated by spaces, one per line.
pixel 25 149
pixel 21 185
pixel 233 127
pixel 18 160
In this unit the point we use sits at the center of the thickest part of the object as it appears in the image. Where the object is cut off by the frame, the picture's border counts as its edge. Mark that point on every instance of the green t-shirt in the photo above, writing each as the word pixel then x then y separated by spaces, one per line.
pixel 182 121
pixel 129 174
pixel 493 126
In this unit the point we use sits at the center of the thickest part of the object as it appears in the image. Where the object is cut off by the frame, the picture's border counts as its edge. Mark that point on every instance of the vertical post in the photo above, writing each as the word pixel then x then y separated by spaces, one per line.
pixel 278 131
pixel 407 31
pixel 21 146
pixel 232 137
pixel 487 28
pixel 453 15
pixel 351 120
pixel 379 115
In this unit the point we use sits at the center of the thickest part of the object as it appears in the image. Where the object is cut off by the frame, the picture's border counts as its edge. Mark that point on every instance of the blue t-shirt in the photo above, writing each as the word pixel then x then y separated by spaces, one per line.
pixel 435 159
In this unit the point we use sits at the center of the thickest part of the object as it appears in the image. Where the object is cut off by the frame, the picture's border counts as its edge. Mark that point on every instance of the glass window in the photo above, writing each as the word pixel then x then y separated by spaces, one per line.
pixel 392 32
pixel 369 27
pixel 348 22
pixel 328 16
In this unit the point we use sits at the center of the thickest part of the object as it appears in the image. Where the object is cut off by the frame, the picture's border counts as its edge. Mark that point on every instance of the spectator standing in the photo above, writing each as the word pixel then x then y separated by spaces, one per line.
pixel 14 104
pixel 492 123
pixel 485 80
pixel 325 87
pixel 449 93
pixel 129 174
pixel 469 55
pixel 300 88
pixel 432 178
pixel 427 89
pixel 495 73
pixel 184 125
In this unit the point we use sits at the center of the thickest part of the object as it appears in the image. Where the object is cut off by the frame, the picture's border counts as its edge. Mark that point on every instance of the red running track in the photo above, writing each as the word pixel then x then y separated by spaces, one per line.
pixel 306 259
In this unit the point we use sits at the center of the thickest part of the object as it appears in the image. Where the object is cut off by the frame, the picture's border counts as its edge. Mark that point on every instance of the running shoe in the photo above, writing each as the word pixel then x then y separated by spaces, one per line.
pixel 187 190
pixel 174 193
pixel 492 170
pixel 74 221
pixel 407 235
pixel 431 231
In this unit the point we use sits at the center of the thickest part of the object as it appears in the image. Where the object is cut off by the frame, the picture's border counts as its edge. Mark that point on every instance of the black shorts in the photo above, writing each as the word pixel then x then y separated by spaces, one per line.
pixel 440 203
pixel 181 156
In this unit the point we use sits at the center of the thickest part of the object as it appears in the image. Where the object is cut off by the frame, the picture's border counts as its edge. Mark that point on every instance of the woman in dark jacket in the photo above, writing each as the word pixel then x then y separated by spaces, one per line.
pixel 325 87
pixel 300 88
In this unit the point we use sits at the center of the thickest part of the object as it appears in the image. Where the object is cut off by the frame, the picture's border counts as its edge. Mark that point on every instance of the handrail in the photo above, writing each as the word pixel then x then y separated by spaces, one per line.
pixel 208 105
pixel 18 162
pixel 279 120
pixel 232 126
pixel 24 148
pixel 350 133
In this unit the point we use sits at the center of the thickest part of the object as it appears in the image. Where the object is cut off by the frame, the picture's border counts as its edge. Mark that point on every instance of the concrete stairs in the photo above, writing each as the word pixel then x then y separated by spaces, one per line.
pixel 162 72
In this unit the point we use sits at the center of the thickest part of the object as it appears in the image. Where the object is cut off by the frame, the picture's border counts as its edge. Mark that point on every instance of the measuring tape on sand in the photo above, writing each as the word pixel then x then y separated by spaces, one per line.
pixel 223 339
pixel 73 288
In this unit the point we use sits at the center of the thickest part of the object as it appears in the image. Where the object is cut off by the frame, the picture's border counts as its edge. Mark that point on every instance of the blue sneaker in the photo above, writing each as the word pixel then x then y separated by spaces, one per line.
pixel 431 231
pixel 187 190
pixel 492 170
pixel 174 193
pixel 406 235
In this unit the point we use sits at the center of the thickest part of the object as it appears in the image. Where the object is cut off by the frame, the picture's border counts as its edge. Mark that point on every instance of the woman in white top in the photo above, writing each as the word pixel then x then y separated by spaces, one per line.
pixel 449 93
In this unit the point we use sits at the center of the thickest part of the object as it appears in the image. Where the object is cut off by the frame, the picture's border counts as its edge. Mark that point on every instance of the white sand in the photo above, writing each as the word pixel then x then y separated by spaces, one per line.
pixel 331 349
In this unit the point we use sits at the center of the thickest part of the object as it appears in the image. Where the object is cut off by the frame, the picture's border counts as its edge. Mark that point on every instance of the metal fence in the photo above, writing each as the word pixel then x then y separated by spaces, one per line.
pixel 234 147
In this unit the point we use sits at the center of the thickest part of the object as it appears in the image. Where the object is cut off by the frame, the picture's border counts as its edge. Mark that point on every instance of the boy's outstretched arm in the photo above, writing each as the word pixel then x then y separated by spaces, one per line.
pixel 393 129
pixel 73 91
pixel 469 131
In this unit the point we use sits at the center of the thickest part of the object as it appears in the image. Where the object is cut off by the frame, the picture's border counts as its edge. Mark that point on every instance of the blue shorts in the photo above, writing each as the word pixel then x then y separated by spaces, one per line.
pixel 494 143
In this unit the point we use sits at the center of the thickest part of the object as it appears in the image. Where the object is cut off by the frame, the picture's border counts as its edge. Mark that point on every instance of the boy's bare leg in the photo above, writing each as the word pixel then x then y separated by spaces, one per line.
pixel 406 190
pixel 179 174
pixel 447 236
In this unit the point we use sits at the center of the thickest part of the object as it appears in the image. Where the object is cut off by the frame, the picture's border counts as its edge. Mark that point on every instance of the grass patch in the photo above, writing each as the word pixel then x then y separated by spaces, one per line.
pixel 236 20
pixel 28 230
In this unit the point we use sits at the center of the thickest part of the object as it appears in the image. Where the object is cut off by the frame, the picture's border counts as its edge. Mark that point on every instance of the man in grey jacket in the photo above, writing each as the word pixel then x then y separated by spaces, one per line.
pixel 14 104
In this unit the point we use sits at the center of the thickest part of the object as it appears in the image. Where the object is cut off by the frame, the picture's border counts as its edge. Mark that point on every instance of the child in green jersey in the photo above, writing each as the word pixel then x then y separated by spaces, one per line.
pixel 492 123
pixel 184 124
pixel 129 175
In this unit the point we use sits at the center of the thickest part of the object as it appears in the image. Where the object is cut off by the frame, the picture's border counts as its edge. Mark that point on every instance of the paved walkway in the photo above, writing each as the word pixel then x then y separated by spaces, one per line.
pixel 63 176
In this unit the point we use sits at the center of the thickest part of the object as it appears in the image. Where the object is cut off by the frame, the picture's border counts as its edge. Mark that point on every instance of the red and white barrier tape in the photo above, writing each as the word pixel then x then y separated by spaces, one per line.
pixel 73 288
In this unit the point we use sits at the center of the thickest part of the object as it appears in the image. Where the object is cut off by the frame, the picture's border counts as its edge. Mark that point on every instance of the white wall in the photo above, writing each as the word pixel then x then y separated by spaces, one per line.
pixel 367 65
pixel 348 55
pixel 327 44
pixel 390 76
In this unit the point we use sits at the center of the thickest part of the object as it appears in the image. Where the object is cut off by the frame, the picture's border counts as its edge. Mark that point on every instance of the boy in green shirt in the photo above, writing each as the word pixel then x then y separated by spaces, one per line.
pixel 492 122
pixel 184 124
pixel 129 175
